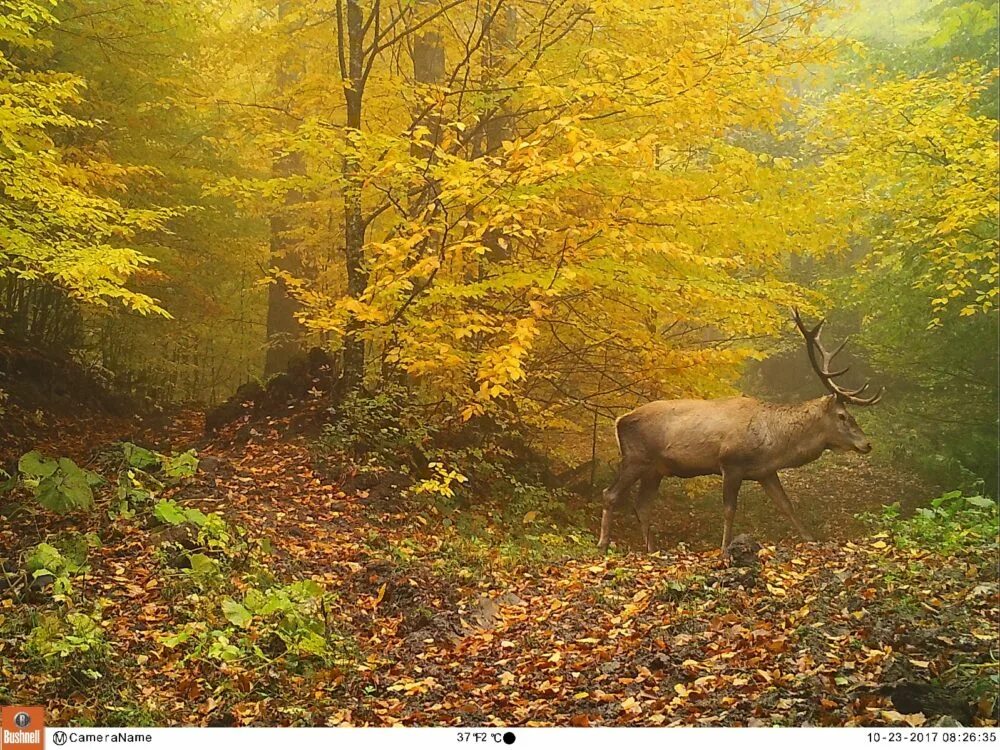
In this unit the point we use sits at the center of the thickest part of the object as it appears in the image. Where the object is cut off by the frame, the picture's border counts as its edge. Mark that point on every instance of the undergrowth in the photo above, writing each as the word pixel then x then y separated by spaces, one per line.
pixel 950 523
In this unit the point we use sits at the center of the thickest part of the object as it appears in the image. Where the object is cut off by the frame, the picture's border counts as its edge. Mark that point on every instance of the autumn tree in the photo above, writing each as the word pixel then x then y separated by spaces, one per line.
pixel 553 210
pixel 903 143
pixel 65 232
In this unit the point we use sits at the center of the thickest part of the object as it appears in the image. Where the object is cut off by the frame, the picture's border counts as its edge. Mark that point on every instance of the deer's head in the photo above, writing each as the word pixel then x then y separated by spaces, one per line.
pixel 839 427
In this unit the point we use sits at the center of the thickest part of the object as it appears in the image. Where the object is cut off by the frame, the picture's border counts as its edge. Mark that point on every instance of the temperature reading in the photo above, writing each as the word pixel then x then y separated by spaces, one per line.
pixel 506 738
pixel 472 737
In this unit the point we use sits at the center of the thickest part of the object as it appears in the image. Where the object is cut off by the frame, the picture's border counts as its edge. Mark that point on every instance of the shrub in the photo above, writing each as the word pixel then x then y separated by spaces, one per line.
pixel 292 615
pixel 213 531
pixel 73 640
pixel 950 523
pixel 287 622
pixel 58 484
pixel 484 462
pixel 142 473
pixel 378 431
pixel 47 560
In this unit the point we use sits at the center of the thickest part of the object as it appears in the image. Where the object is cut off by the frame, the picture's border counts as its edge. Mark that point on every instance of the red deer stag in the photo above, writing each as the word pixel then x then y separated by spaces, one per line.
pixel 739 438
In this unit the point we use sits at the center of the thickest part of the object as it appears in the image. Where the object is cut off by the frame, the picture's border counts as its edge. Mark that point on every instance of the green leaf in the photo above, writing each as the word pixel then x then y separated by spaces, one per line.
pixel 76 487
pixel 181 636
pixel 307 589
pixel 277 601
pixel 140 458
pixel 50 496
pixel 169 512
pixel 35 465
pixel 236 613
pixel 195 516
pixel 202 564
pixel 181 466
pixel 7 482
pixel 312 643
pixel 45 557
pixel 981 502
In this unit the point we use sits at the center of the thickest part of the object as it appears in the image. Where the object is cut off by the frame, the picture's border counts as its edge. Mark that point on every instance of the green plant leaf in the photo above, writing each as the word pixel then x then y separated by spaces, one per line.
pixel 77 484
pixel 7 482
pixel 46 557
pixel 981 502
pixel 140 458
pixel 180 466
pixel 176 639
pixel 195 516
pixel 36 466
pixel 254 600
pixel 236 613
pixel 169 512
pixel 202 564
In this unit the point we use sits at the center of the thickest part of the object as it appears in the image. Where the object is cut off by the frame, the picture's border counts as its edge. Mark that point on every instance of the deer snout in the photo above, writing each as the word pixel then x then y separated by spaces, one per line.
pixel 864 447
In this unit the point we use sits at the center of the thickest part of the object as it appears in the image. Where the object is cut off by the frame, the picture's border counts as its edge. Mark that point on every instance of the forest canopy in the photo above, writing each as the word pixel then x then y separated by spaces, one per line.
pixel 550 210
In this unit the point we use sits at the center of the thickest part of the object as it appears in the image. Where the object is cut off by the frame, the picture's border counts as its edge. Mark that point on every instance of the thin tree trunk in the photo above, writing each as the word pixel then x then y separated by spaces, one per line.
pixel 283 330
pixel 428 71
pixel 500 39
pixel 354 225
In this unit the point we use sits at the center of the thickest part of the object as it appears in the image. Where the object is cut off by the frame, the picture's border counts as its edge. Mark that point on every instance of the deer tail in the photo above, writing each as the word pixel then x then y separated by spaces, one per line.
pixel 618 433
pixel 625 433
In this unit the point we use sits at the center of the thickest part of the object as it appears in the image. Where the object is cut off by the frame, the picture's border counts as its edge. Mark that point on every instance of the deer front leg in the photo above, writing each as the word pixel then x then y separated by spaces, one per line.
pixel 613 495
pixel 644 506
pixel 772 486
pixel 730 492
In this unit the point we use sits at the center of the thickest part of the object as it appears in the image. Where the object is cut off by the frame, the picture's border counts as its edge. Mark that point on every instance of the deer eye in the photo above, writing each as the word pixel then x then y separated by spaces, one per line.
pixel 842 417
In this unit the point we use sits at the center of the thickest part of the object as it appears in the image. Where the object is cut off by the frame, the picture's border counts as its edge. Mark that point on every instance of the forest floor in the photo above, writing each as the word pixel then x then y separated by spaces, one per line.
pixel 431 622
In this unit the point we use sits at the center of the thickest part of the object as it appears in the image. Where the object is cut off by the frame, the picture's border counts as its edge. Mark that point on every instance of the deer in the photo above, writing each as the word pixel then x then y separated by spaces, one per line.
pixel 738 438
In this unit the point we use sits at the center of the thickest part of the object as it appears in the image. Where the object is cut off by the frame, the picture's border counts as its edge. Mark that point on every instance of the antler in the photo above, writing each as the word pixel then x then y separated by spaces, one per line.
pixel 823 368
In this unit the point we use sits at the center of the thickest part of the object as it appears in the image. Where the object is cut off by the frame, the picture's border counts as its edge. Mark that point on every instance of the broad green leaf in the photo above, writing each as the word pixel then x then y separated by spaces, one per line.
pixel 169 512
pixel 236 613
pixel 45 557
pixel 75 486
pixel 202 564
pixel 195 516
pixel 981 502
pixel 35 465
pixel 176 639
pixel 140 458
pixel 180 466
pixel 7 482
pixel 254 600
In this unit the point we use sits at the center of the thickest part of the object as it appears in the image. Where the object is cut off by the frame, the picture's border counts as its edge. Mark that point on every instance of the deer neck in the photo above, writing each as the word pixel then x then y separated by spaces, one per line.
pixel 802 442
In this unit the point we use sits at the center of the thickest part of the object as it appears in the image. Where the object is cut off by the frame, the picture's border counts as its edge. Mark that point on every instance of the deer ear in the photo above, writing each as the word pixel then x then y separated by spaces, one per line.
pixel 831 401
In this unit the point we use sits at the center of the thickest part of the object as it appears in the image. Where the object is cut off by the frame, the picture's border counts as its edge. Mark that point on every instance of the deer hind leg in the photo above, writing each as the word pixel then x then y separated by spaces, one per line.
pixel 730 492
pixel 648 487
pixel 613 496
pixel 772 486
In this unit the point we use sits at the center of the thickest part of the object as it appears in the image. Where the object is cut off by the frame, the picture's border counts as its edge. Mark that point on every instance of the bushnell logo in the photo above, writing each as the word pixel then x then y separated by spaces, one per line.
pixel 22 728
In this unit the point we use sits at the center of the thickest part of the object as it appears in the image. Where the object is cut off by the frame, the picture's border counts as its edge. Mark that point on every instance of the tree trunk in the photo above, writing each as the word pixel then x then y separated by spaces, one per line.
pixel 283 330
pixel 354 225
pixel 428 70
pixel 501 36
